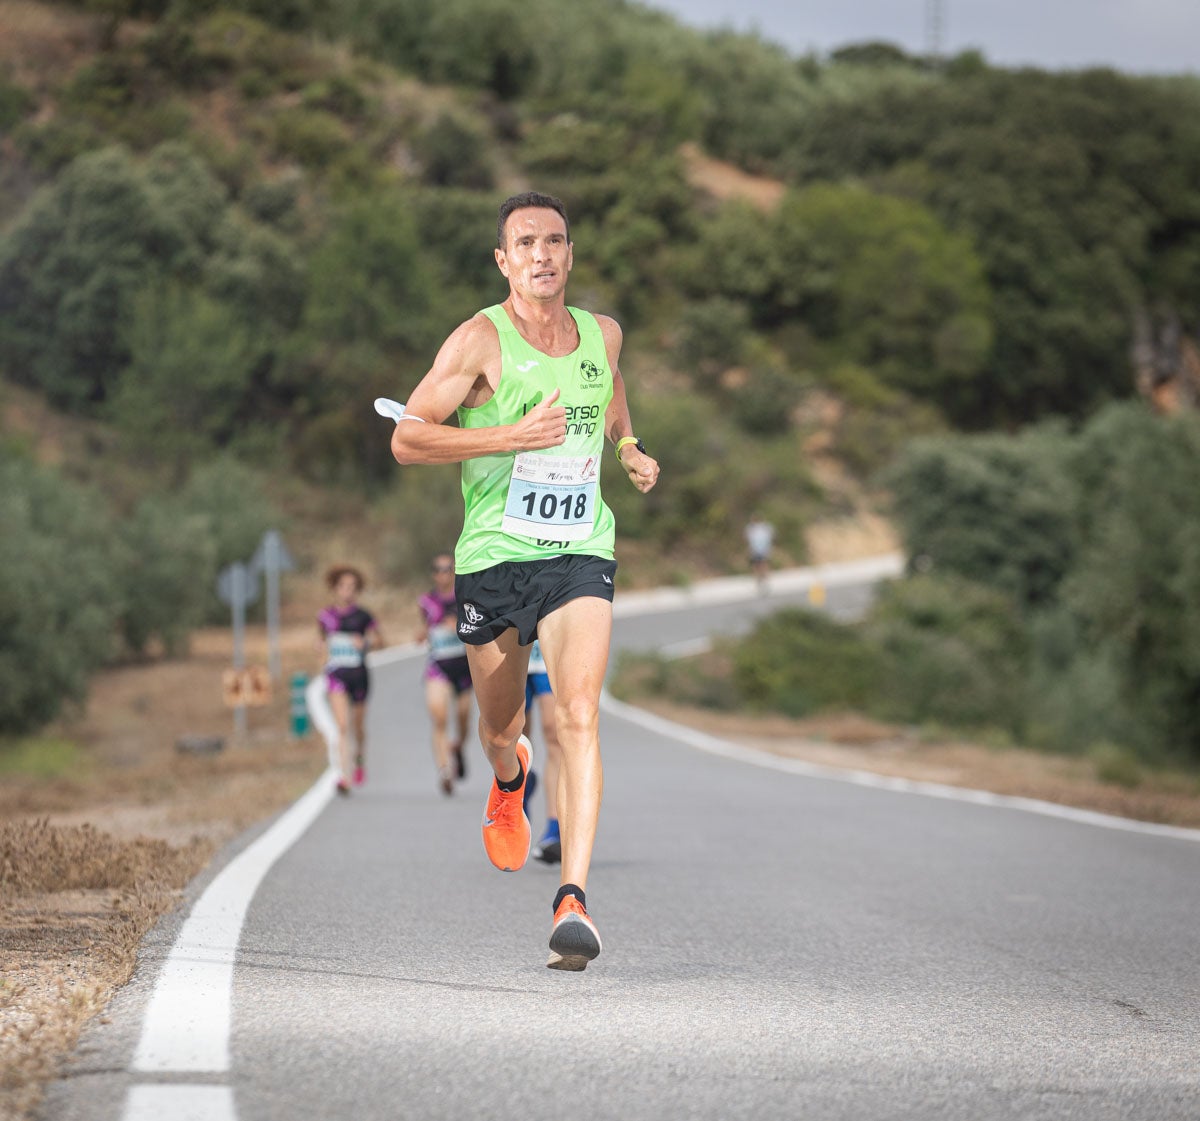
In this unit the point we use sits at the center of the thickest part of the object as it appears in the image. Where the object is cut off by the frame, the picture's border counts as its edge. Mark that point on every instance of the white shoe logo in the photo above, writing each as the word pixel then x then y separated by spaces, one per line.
pixel 525 367
pixel 606 579
pixel 472 613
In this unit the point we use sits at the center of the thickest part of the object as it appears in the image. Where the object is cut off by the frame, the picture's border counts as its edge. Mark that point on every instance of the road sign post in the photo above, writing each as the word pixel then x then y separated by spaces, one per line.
pixel 236 589
pixel 272 557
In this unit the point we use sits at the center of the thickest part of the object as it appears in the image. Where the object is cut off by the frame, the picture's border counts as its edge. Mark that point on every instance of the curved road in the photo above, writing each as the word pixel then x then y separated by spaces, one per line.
pixel 776 944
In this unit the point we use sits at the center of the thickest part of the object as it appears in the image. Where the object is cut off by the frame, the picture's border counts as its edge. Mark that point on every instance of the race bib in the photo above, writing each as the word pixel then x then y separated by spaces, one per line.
pixel 552 497
pixel 444 644
pixel 343 654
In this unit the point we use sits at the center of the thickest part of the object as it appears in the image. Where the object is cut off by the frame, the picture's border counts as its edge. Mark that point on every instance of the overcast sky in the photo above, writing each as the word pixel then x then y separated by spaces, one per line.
pixel 1139 36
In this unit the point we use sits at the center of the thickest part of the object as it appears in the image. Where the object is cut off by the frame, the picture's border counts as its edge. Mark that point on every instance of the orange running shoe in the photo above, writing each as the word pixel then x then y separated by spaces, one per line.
pixel 574 941
pixel 506 832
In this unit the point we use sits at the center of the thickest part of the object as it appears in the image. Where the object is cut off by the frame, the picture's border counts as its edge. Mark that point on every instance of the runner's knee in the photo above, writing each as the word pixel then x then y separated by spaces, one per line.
pixel 576 718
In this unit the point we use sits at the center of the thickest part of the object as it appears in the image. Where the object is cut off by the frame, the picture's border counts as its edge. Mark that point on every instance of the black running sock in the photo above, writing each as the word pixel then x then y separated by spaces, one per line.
pixel 564 891
pixel 515 785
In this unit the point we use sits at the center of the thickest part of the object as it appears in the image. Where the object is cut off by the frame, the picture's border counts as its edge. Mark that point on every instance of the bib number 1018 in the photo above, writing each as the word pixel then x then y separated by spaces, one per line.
pixel 550 507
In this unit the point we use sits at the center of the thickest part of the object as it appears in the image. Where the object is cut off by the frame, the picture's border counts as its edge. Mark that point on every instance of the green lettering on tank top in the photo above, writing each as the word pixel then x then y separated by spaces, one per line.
pixel 527 376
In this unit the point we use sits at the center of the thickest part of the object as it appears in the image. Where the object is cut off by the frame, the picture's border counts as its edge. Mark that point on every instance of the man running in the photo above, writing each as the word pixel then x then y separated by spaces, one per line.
pixel 537 387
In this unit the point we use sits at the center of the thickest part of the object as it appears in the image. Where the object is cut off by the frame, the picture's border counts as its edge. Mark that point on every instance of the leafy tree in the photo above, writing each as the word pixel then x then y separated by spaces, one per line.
pixel 60 596
pixel 1135 590
pixel 1073 189
pixel 951 651
pixel 800 663
pixel 995 510
pixel 71 268
pixel 190 367
pixel 367 278
pixel 454 153
pixel 878 280
pixel 229 501
pixel 166 580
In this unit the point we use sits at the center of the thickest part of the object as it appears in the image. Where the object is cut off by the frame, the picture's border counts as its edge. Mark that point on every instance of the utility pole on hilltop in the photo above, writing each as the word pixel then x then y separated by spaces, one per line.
pixel 935 15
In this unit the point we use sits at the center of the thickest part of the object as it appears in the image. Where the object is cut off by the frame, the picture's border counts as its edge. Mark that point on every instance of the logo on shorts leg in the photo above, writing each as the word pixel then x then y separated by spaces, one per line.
pixel 473 616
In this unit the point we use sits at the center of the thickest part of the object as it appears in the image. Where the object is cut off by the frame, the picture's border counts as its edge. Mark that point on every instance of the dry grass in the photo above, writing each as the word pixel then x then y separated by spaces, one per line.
pixel 75 904
pixel 91 858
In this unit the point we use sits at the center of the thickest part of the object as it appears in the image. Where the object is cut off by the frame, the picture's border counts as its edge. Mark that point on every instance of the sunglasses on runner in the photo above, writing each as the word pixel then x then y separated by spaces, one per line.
pixel 443 568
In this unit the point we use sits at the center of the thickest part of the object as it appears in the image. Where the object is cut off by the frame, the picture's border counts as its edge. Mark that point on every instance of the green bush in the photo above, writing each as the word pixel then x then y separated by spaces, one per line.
pixel 168 576
pixel 16 103
pixel 995 510
pixel 801 663
pixel 454 152
pixel 1076 695
pixel 73 265
pixel 60 596
pixel 190 367
pixel 950 652
pixel 229 502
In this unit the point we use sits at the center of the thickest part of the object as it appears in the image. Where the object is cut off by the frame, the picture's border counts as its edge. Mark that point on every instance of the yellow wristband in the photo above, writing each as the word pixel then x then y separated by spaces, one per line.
pixel 622 442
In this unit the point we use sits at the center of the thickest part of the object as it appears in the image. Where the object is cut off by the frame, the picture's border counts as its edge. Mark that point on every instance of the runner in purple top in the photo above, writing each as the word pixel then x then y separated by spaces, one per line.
pixel 346 633
pixel 447 675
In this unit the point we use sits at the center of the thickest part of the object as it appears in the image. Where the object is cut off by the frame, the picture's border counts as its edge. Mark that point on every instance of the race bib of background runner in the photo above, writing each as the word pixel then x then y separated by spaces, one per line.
pixel 444 644
pixel 551 496
pixel 343 654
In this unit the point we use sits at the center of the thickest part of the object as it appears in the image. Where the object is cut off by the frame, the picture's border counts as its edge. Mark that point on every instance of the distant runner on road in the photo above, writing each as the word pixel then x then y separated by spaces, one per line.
pixel 347 632
pixel 536 387
pixel 447 673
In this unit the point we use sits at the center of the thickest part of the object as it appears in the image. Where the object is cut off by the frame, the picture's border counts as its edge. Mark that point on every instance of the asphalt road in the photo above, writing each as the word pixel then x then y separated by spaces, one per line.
pixel 775 945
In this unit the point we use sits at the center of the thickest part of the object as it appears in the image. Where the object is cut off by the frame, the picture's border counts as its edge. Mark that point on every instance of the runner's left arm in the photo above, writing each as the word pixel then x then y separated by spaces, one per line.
pixel 641 468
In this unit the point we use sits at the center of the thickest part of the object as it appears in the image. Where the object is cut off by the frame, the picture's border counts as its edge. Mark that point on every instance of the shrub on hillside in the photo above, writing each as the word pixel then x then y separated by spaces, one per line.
pixel 800 663
pixel 949 652
pixel 72 266
pixel 995 510
pixel 60 596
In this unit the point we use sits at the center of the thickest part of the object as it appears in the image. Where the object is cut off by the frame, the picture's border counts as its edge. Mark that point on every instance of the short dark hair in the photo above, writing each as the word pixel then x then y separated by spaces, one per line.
pixel 337 571
pixel 519 202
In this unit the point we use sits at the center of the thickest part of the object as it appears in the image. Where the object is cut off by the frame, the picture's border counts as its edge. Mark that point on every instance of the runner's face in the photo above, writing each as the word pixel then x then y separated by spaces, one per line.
pixel 443 573
pixel 345 589
pixel 537 256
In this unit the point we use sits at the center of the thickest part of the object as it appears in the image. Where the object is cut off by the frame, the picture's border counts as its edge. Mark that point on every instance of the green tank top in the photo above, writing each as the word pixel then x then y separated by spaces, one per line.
pixel 544 503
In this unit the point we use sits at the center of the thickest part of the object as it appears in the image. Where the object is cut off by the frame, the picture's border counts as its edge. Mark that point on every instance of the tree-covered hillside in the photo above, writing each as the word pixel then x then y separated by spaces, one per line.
pixel 226 227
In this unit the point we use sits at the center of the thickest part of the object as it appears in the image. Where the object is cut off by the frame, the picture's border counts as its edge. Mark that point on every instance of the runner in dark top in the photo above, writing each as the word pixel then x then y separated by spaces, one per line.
pixel 447 674
pixel 347 633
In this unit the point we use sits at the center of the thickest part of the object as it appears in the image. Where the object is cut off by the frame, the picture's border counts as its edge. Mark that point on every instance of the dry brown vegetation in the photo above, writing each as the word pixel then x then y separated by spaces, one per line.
pixel 90 858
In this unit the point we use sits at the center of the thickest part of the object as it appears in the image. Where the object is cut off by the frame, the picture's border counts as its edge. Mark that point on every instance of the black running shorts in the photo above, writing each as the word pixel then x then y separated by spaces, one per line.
pixel 521 593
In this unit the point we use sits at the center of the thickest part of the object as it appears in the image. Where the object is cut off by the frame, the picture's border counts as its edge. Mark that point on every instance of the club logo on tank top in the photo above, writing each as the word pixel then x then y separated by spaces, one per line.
pixel 593 377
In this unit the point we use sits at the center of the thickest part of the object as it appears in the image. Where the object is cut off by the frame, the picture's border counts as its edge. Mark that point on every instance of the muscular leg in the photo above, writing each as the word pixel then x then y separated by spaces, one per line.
pixel 437 700
pixel 339 702
pixel 462 705
pixel 575 640
pixel 552 765
pixel 498 672
pixel 359 714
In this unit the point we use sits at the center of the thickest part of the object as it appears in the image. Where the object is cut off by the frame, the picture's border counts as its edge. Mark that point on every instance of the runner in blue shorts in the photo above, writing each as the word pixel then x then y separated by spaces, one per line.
pixel 538 693
pixel 537 387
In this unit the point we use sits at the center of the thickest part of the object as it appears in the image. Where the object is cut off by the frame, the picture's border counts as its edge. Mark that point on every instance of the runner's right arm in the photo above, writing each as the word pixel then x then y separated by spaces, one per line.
pixel 466 371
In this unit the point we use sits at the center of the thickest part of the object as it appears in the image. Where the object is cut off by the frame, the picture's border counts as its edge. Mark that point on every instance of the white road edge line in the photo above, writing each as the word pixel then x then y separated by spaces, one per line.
pixel 714 746
pixel 186 1028
pixel 180 1102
